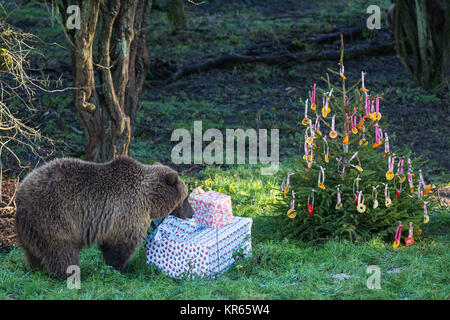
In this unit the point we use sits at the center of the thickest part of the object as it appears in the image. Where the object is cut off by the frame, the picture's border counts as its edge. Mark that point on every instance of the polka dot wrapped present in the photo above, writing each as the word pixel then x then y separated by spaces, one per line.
pixel 185 249
pixel 212 209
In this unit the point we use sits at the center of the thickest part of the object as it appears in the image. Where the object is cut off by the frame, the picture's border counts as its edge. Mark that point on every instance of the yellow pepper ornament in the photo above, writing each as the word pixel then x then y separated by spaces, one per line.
pixel 291 212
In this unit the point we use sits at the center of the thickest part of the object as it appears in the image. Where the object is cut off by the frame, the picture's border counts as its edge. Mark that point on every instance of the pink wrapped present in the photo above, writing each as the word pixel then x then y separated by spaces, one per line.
pixel 212 209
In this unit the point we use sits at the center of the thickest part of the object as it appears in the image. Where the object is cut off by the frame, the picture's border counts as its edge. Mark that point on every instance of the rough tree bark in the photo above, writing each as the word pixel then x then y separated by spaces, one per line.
pixel 422 27
pixel 108 110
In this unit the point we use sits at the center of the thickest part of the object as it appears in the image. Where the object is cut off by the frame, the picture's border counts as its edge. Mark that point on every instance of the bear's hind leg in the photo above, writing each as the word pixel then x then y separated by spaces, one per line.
pixel 118 255
pixel 33 261
pixel 59 259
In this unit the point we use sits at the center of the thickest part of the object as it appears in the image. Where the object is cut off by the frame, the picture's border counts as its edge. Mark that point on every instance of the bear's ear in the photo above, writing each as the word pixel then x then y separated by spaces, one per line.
pixel 171 178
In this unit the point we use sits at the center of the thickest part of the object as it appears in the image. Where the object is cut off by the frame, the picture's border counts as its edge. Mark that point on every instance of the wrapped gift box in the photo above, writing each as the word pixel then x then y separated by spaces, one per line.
pixel 212 209
pixel 183 248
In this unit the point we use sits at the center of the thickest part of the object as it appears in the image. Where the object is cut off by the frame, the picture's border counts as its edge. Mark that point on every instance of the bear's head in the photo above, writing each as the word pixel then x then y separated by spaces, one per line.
pixel 184 211
pixel 164 191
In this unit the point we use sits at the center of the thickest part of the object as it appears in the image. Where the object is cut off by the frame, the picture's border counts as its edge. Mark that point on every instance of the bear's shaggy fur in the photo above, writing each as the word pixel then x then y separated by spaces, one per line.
pixel 69 204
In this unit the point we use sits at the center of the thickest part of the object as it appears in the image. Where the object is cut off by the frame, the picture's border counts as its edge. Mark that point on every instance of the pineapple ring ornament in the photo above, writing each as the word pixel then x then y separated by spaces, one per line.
pixel 377 112
pixel 306 120
pixel 333 133
pixel 311 205
pixel 361 207
pixel 339 200
pixel 409 241
pixel 291 212
pixel 426 217
pixel 375 197
pixel 387 196
pixel 390 172
pixel 313 99
pixel 398 235
pixel 320 182
pixel 400 173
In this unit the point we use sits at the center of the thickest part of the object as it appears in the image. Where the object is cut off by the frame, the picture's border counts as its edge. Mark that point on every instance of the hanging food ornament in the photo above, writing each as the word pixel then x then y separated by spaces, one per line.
pixel 353 121
pixel 306 156
pixel 291 212
pixel 375 197
pixel 363 140
pixel 387 196
pixel 398 235
pixel 311 203
pixel 409 240
pixel 283 185
pixel 363 89
pixel 306 120
pixel 339 161
pixel 321 178
pixel 333 133
pixel 390 172
pixel 310 139
pixel 326 109
pixel 400 174
pixel 426 188
pixel 313 99
pixel 317 127
pixel 426 218
pixel 357 166
pixel 309 164
pixel 377 110
pixel 410 176
pixel 367 106
pixel 286 189
pixel 361 207
pixel 360 123
pixel 326 150
pixel 399 190
pixel 386 143
pixel 341 71
pixel 356 191
pixel 378 136
pixel 339 199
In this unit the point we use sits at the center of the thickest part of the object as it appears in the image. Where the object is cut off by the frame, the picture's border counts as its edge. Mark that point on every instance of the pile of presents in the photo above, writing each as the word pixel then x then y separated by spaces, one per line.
pixel 204 246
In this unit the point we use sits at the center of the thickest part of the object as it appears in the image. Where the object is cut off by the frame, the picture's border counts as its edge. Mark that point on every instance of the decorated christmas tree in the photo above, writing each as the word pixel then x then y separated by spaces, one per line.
pixel 348 182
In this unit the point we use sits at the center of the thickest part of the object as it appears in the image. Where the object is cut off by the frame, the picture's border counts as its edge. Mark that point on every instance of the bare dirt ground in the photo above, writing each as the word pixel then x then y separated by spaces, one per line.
pixel 7 214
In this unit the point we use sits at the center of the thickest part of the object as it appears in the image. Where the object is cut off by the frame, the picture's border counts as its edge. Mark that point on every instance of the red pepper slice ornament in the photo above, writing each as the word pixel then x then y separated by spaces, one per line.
pixel 409 240
pixel 311 204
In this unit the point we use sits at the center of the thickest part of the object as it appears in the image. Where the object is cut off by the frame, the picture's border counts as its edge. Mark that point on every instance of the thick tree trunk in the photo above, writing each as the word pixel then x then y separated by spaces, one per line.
pixel 85 98
pixel 108 114
pixel 175 13
pixel 422 26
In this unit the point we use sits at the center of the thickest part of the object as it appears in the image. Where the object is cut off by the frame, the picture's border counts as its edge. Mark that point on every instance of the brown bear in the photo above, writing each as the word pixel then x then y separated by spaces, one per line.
pixel 69 204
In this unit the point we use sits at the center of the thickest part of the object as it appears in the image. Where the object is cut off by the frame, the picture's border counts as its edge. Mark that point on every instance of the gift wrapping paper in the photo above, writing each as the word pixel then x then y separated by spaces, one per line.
pixel 184 248
pixel 212 209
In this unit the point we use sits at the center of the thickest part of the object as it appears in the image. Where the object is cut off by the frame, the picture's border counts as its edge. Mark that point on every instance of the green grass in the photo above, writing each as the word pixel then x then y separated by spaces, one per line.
pixel 278 268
